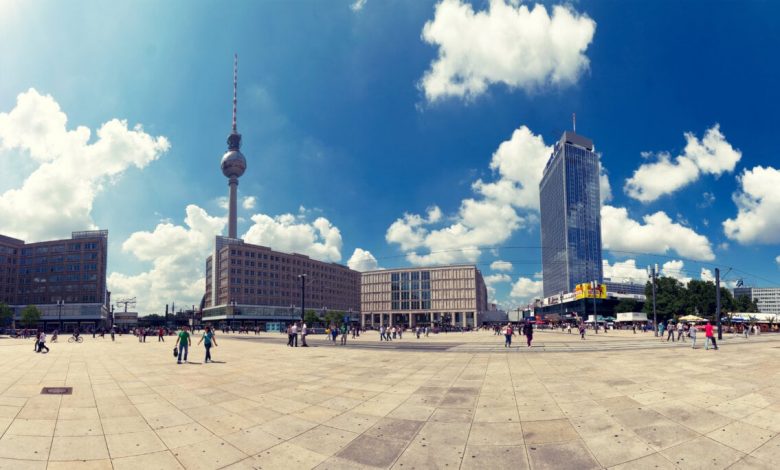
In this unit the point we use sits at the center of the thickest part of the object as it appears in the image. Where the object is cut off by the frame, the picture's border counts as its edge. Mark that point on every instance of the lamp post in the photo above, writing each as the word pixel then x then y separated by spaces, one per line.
pixel 303 295
pixel 593 285
pixel 653 270
pixel 60 304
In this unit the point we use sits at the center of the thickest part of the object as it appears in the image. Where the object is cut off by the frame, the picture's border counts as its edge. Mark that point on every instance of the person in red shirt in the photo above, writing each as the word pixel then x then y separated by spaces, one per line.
pixel 160 336
pixel 709 337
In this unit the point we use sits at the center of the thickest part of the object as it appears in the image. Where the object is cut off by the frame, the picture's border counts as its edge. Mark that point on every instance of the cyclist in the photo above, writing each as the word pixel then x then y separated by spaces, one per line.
pixel 76 334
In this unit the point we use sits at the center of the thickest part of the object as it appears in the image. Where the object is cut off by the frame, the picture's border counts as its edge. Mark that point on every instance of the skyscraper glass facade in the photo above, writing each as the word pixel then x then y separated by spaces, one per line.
pixel 570 209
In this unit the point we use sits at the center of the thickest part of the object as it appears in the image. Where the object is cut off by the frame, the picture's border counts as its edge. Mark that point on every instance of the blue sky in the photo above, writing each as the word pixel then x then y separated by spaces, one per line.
pixel 338 125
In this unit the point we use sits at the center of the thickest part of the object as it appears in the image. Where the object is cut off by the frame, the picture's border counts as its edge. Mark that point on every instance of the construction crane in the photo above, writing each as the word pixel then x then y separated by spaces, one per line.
pixel 131 302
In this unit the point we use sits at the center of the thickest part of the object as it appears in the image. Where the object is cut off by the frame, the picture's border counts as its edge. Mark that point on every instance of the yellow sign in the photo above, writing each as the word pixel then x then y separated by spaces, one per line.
pixel 586 291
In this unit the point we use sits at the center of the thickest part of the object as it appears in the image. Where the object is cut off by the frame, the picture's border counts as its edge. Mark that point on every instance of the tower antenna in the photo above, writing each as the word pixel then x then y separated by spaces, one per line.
pixel 235 89
pixel 573 120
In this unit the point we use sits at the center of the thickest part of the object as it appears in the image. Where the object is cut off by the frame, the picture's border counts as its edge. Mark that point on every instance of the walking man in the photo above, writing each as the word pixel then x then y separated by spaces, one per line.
pixel 709 337
pixel 42 342
pixel 508 335
pixel 528 331
pixel 160 336
pixel 670 332
pixel 680 335
pixel 304 332
pixel 692 331
pixel 184 341
pixel 344 330
pixel 113 332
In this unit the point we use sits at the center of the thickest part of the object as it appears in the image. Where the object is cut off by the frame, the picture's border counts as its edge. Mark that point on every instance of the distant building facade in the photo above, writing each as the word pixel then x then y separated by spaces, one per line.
pixel 570 209
pixel 65 279
pixel 767 298
pixel 251 285
pixel 443 295
pixel 631 288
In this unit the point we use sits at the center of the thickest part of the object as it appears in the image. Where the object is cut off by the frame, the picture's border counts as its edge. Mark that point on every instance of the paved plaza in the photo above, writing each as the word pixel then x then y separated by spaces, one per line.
pixel 454 401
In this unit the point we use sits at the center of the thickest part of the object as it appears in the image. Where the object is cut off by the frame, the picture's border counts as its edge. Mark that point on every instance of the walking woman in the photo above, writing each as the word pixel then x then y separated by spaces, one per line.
pixel 207 339
pixel 508 335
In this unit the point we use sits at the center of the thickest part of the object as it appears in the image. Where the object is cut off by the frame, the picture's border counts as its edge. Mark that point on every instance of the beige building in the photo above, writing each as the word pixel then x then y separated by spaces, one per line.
pixel 444 295
pixel 252 285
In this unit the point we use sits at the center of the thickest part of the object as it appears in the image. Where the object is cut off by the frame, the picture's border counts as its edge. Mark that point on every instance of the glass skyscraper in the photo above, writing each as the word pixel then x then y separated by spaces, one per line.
pixel 570 206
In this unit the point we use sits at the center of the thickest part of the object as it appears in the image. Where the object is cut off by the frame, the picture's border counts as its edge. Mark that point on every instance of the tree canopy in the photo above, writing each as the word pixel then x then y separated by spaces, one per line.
pixel 31 316
pixel 6 314
pixel 697 297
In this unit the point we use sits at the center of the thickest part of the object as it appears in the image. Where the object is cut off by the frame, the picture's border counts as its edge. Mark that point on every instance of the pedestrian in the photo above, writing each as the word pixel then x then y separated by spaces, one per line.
pixel 42 342
pixel 93 333
pixel 184 342
pixel 692 332
pixel 709 337
pixel 569 328
pixel 289 336
pixel 294 335
pixel 670 332
pixel 392 329
pixel 304 332
pixel 633 327
pixel 160 335
pixel 354 332
pixel 508 332
pixel 582 331
pixel 381 332
pixel 417 331
pixel 401 332
pixel 207 339
pixel 680 335
pixel 113 332
pixel 528 331
pixel 344 330
pixel 334 332
pixel 746 329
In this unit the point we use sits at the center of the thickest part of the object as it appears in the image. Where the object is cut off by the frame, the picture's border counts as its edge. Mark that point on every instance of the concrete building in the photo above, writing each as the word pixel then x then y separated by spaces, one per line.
pixel 444 295
pixel 633 288
pixel 767 298
pixel 570 210
pixel 252 285
pixel 65 279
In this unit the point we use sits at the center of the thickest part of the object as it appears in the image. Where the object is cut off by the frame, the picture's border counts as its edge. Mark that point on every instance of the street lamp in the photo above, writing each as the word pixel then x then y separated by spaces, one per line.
pixel 652 271
pixel 60 304
pixel 302 277
pixel 593 285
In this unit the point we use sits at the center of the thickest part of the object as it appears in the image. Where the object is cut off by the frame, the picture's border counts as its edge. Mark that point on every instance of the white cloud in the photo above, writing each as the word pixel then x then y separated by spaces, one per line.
pixel 177 254
pixel 362 260
pixel 493 279
pixel 675 269
pixel 520 163
pixel 605 189
pixel 658 235
pixel 712 155
pixel 57 197
pixel 777 260
pixel 249 202
pixel 706 275
pixel 526 289
pixel 758 204
pixel 294 234
pixel 507 44
pixel 358 5
pixel 480 222
pixel 624 271
pixel 500 265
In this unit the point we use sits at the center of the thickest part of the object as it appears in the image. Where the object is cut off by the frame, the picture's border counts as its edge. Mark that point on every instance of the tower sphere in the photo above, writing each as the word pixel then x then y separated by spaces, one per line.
pixel 233 163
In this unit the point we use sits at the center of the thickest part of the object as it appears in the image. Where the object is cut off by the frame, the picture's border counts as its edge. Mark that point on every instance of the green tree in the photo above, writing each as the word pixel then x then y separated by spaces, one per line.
pixel 311 318
pixel 627 305
pixel 31 316
pixel 334 316
pixel 6 314
pixel 670 297
pixel 744 304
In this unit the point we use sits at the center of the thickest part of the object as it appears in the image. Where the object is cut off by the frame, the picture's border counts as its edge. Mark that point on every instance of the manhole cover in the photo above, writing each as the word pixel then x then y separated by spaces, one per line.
pixel 57 391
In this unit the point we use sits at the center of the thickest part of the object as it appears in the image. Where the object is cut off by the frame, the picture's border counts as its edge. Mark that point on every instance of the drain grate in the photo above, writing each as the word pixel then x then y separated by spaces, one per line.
pixel 57 391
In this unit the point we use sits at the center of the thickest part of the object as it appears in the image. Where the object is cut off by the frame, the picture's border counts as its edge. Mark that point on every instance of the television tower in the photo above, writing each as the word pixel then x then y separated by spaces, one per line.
pixel 233 162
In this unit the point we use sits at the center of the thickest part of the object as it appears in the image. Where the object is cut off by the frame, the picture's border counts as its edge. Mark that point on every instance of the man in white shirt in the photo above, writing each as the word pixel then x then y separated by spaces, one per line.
pixel 295 334
pixel 304 332
pixel 42 342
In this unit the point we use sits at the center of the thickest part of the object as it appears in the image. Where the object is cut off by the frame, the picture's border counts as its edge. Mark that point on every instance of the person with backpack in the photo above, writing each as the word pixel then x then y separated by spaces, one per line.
pixel 207 339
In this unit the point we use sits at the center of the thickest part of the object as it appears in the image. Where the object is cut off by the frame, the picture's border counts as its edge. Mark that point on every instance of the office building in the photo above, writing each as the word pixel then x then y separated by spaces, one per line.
pixel 624 288
pixel 767 298
pixel 65 279
pixel 444 295
pixel 570 209
pixel 253 285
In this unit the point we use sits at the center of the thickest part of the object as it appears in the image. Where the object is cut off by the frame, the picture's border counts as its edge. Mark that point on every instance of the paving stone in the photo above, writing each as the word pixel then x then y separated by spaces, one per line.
pixel 372 451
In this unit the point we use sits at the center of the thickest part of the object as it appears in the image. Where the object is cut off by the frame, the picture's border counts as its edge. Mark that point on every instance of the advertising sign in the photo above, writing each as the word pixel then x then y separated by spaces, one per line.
pixel 586 291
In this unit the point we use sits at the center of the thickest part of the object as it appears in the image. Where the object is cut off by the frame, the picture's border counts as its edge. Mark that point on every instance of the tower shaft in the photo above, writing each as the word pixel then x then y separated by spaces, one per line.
pixel 232 217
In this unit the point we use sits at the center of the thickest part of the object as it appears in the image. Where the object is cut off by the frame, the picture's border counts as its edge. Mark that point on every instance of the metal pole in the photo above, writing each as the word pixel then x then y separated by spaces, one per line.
pixel 655 316
pixel 717 302
pixel 303 296
pixel 595 313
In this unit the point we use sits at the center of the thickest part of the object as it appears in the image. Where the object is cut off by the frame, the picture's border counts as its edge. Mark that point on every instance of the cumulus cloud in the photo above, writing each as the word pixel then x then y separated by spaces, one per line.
pixel 362 260
pixel 519 163
pixel 527 289
pixel 711 155
pixel 605 189
pixel 177 254
pixel 758 204
pixel 658 235
pixel 249 202
pixel 500 265
pixel 358 5
pixel 777 260
pixel 486 220
pixel 675 269
pixel 508 43
pixel 624 271
pixel 493 279
pixel 290 233
pixel 57 197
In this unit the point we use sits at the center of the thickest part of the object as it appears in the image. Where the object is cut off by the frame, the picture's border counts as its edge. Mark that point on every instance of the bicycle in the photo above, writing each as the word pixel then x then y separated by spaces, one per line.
pixel 78 340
